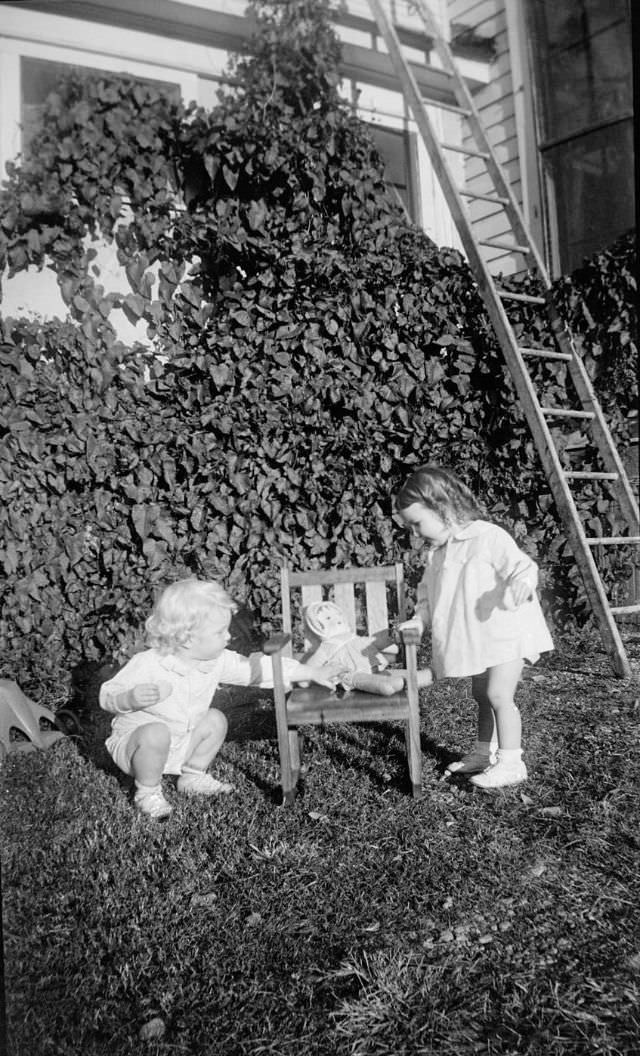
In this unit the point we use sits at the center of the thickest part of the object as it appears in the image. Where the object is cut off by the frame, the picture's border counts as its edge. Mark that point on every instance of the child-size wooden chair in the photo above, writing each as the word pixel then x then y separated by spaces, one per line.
pixel 367 596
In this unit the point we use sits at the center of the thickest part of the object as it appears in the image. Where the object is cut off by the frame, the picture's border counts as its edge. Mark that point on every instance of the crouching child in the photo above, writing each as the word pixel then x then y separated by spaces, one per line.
pixel 160 700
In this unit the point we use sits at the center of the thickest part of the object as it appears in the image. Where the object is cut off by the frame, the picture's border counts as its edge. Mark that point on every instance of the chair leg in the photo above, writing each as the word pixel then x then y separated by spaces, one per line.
pixel 290 768
pixel 414 755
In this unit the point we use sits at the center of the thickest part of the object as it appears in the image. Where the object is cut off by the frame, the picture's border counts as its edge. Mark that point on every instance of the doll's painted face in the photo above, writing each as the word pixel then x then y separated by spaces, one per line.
pixel 326 620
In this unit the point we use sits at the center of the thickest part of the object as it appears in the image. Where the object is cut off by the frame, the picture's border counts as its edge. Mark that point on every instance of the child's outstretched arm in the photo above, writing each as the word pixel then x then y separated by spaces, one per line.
pixel 298 672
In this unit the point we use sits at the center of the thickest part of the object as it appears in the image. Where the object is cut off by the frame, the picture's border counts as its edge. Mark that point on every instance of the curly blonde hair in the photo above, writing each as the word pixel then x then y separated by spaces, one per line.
pixel 181 608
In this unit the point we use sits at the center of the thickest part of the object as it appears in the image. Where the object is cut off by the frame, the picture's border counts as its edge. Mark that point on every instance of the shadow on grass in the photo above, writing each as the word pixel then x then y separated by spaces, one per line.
pixel 376 750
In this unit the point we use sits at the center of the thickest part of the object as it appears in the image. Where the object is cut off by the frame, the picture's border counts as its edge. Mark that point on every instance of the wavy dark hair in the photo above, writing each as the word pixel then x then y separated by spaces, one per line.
pixel 442 491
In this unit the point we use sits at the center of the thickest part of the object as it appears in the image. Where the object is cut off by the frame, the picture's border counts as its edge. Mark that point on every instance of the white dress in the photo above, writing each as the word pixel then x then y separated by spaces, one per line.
pixel 464 597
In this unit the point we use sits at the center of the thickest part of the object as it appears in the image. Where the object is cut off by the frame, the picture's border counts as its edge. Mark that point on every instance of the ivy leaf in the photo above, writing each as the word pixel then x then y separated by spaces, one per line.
pixel 230 177
pixel 256 215
pixel 133 307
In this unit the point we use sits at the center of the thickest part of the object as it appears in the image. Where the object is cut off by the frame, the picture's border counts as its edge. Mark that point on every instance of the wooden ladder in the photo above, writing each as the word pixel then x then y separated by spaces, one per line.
pixel 539 417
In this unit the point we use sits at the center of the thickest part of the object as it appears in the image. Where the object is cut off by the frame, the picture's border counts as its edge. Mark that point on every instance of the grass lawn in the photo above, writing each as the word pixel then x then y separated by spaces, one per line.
pixel 359 921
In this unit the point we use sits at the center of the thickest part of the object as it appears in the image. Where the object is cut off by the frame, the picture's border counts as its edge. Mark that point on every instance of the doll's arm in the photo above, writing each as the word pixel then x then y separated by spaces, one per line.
pixel 380 685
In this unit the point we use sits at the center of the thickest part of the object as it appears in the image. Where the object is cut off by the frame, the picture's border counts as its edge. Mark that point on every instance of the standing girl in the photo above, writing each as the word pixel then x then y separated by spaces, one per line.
pixel 478 594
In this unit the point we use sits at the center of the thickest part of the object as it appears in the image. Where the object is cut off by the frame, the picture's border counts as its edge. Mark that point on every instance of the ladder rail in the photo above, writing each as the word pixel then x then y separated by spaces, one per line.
pixel 602 434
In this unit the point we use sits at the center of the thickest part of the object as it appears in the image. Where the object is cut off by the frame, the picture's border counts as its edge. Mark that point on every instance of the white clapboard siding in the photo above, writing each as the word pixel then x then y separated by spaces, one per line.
pixel 496 108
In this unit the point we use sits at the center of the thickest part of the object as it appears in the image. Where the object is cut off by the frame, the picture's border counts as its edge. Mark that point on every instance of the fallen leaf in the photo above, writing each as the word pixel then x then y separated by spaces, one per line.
pixel 553 812
pixel 315 816
pixel 204 900
pixel 253 919
pixel 154 1028
pixel 538 869
pixel 527 800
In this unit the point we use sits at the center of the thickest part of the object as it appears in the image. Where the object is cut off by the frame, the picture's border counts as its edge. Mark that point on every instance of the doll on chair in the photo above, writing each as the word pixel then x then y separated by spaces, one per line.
pixel 355 661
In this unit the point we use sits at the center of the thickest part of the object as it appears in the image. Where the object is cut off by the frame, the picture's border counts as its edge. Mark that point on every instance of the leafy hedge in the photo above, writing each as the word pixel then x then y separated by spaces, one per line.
pixel 309 347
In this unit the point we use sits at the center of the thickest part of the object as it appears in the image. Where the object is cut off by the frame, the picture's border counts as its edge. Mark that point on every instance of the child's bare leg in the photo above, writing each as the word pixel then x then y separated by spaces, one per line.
pixel 509 768
pixel 501 685
pixel 206 741
pixel 483 752
pixel 148 751
pixel 486 719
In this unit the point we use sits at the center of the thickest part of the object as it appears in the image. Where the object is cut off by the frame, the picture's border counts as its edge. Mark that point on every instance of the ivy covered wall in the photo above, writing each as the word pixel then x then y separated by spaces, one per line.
pixel 308 349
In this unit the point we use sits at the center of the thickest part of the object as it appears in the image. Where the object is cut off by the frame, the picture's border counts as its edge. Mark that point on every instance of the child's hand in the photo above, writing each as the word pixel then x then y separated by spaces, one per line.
pixel 146 694
pixel 516 593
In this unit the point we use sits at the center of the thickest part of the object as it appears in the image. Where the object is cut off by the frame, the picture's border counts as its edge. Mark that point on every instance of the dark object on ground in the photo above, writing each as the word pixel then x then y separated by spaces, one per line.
pixel 86 679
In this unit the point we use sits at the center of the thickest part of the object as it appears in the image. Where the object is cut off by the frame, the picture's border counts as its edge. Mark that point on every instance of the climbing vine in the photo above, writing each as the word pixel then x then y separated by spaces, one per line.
pixel 306 348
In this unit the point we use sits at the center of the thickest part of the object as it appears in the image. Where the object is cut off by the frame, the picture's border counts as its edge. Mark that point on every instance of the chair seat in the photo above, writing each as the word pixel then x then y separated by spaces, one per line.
pixel 318 706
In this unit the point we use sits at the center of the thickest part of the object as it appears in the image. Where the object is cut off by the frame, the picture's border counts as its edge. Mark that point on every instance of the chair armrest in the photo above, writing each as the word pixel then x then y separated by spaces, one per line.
pixel 276 644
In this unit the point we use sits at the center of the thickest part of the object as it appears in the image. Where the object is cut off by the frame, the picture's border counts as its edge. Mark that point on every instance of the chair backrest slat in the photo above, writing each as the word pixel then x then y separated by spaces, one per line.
pixel 345 598
pixel 311 592
pixel 377 608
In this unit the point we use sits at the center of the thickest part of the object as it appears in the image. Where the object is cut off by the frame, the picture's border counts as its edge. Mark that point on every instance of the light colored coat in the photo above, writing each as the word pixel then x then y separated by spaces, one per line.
pixel 464 597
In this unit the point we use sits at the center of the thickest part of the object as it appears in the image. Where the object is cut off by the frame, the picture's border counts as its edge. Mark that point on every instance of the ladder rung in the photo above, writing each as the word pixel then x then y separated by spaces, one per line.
pixel 570 474
pixel 497 244
pixel 465 150
pixel 521 297
pixel 614 540
pixel 545 353
pixel 484 197
pixel 622 609
pixel 560 412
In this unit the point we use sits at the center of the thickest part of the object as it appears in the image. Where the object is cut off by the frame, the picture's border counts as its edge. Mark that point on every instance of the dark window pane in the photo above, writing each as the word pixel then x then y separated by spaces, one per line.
pixel 393 148
pixel 593 181
pixel 582 56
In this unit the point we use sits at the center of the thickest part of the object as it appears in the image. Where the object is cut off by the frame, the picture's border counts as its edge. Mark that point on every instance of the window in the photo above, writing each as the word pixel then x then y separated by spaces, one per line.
pixel 581 59
pixel 39 77
pixel 394 148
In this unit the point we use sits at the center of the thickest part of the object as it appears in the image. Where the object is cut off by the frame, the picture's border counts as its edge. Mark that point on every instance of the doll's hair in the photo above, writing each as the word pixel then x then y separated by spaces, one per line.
pixel 441 491
pixel 181 608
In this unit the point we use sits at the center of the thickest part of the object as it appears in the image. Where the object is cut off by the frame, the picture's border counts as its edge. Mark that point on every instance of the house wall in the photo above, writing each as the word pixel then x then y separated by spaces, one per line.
pixel 497 111
pixel 142 42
